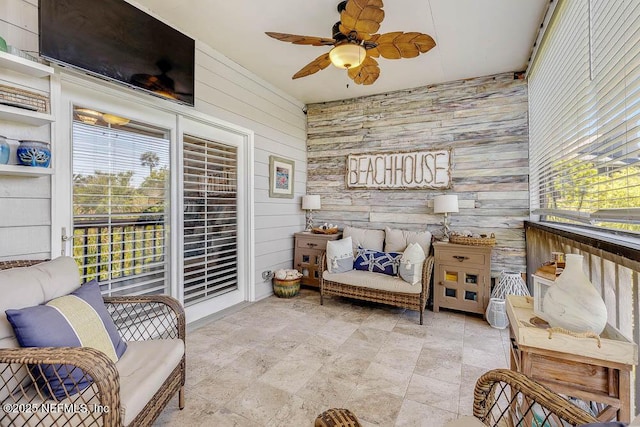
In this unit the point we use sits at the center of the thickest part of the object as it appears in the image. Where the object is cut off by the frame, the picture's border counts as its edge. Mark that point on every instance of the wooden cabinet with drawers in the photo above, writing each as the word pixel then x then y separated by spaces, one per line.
pixel 462 277
pixel 593 371
pixel 308 251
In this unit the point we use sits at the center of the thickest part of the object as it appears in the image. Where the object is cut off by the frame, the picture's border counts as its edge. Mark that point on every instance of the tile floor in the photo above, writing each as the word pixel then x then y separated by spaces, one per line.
pixel 281 362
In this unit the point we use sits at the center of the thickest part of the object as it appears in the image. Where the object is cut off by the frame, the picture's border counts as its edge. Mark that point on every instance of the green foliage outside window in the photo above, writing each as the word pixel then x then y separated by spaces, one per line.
pixel 134 235
pixel 581 187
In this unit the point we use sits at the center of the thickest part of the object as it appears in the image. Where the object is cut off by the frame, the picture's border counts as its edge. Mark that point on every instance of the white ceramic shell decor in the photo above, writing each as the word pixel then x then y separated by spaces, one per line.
pixel 291 274
pixel 572 302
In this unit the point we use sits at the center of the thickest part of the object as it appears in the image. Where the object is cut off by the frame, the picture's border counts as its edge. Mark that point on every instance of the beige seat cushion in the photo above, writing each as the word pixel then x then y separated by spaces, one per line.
pixel 27 287
pixel 368 279
pixel 143 368
pixel 397 240
pixel 366 239
pixel 467 421
pixel 30 286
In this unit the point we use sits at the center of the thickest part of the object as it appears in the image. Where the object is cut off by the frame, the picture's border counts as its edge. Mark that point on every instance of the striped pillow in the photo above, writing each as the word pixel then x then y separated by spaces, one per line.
pixel 79 319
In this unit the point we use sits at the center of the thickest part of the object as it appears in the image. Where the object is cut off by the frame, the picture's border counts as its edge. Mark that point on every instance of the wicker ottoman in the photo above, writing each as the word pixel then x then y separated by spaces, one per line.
pixel 336 417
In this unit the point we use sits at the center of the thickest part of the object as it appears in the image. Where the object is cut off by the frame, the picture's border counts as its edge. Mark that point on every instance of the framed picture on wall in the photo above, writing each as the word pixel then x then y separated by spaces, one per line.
pixel 281 177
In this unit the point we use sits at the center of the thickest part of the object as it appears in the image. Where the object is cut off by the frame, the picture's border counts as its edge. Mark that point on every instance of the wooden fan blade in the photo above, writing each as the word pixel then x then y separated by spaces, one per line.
pixel 296 39
pixel 366 73
pixel 320 63
pixel 398 45
pixel 362 16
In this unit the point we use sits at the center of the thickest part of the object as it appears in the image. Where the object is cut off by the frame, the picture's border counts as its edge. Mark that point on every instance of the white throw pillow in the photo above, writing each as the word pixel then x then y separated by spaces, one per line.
pixel 398 240
pixel 365 238
pixel 340 255
pixel 411 264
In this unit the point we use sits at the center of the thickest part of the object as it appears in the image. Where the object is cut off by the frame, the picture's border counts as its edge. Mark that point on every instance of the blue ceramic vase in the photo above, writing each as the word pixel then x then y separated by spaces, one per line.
pixel 34 153
pixel 5 150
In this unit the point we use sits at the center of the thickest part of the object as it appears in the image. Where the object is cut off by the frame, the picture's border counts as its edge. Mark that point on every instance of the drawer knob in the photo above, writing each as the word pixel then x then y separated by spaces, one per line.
pixel 460 257
pixel 312 245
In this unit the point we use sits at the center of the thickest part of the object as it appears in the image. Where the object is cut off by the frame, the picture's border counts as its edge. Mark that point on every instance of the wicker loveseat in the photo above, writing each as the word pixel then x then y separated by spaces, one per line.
pixel 132 392
pixel 374 287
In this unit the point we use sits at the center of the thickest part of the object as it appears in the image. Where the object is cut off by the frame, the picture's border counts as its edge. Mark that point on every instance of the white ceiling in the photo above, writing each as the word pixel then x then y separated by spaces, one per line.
pixel 473 38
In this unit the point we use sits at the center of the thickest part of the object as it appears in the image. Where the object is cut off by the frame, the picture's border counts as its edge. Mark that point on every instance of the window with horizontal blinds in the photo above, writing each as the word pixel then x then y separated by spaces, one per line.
pixel 210 219
pixel 584 107
pixel 120 205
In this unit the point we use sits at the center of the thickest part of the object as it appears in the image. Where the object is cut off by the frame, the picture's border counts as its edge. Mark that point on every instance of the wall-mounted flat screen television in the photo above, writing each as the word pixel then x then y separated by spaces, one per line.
pixel 114 39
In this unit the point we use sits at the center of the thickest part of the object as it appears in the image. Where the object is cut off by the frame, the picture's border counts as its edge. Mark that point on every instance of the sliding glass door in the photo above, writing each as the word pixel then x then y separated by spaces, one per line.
pixel 212 216
pixel 210 192
pixel 150 201
pixel 121 173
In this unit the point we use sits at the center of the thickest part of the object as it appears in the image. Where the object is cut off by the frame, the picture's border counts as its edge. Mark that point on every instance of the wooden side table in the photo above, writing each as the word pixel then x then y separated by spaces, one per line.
pixel 572 366
pixel 308 251
pixel 462 277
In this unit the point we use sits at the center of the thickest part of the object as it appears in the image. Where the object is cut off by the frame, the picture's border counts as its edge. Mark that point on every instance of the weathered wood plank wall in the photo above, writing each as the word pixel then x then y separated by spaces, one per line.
pixel 484 121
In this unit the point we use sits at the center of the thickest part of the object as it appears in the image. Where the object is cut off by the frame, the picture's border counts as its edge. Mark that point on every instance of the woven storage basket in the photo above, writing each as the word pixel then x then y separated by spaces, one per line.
pixel 318 230
pixel 30 100
pixel 473 241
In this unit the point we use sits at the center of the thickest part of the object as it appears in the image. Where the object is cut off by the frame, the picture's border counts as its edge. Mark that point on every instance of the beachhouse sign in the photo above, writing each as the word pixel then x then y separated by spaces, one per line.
pixel 409 170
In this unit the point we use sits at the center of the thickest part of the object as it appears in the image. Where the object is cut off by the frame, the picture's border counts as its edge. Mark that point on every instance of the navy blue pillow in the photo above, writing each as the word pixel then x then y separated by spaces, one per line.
pixel 79 319
pixel 378 262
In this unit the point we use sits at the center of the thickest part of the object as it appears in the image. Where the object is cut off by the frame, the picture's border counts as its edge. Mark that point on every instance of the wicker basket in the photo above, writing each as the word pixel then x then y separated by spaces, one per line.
pixel 318 230
pixel 23 99
pixel 473 241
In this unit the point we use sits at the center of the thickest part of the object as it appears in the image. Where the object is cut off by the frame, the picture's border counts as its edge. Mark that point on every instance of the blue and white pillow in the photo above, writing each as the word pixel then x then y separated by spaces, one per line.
pixel 79 319
pixel 378 262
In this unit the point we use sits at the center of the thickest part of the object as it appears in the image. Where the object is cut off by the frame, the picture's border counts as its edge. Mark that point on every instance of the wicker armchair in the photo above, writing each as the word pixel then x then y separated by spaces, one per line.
pixel 25 400
pixel 411 301
pixel 507 398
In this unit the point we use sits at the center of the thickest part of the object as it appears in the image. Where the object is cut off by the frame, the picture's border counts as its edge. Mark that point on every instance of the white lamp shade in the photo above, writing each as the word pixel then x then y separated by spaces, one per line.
pixel 348 55
pixel 445 203
pixel 311 202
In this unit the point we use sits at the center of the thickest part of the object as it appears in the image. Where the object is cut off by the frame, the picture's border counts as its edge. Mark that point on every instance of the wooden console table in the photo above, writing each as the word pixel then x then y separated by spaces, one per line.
pixel 572 366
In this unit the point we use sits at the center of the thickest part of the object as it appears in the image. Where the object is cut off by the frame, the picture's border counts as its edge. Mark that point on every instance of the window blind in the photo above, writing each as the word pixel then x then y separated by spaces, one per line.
pixel 120 207
pixel 210 219
pixel 584 106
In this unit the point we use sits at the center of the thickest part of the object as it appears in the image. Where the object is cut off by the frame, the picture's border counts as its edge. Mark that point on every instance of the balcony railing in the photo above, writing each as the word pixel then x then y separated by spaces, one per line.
pixel 127 256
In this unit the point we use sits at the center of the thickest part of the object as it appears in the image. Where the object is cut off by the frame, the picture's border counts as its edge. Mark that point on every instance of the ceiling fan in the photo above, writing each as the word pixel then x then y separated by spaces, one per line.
pixel 356 43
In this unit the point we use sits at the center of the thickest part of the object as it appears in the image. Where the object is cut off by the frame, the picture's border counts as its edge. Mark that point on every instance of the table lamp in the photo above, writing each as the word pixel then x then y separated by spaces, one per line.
pixel 310 203
pixel 445 204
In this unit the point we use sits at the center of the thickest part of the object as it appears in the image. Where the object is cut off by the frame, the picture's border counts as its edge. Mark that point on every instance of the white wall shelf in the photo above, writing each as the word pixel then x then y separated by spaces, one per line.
pixel 24 66
pixel 29 171
pixel 22 115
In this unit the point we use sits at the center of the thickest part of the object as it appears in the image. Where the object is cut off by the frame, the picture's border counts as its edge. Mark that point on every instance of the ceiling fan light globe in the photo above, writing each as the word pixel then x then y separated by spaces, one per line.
pixel 115 120
pixel 348 55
